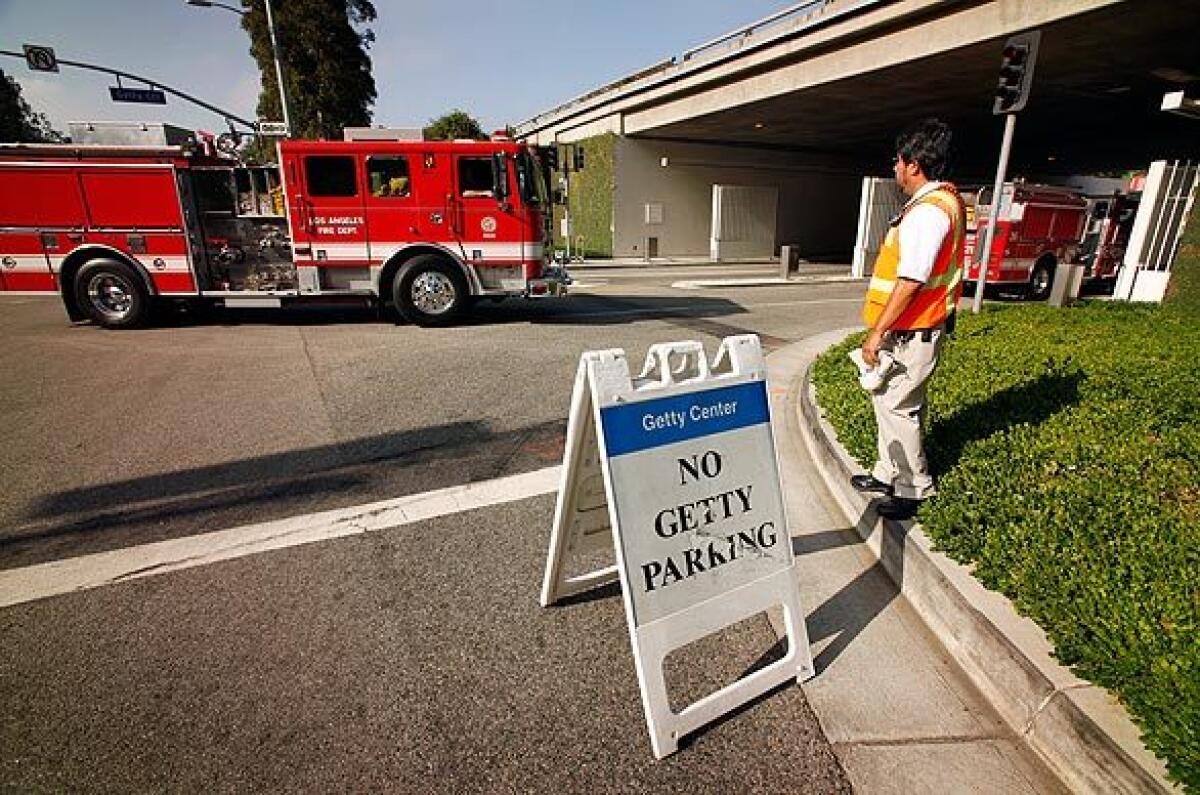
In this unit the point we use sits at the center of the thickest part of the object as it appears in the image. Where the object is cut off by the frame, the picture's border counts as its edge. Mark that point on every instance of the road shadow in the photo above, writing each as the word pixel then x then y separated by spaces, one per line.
pixel 304 314
pixel 1030 403
pixel 606 310
pixel 581 310
pixel 201 499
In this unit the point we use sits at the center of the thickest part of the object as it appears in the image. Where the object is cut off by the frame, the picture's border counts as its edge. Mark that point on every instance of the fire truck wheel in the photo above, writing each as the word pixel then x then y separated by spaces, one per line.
pixel 1041 280
pixel 431 291
pixel 112 294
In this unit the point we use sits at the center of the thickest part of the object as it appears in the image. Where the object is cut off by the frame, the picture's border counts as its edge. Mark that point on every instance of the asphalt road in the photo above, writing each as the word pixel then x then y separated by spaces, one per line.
pixel 121 438
pixel 407 660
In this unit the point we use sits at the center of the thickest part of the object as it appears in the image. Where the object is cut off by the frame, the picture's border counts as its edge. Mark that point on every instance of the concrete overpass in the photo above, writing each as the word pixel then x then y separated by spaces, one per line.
pixel 822 88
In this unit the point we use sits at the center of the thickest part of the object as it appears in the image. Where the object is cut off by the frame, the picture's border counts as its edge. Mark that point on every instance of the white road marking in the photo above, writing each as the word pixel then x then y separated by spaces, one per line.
pixel 147 560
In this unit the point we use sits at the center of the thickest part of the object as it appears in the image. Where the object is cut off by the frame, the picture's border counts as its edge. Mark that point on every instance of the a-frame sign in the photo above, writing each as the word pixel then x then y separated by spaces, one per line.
pixel 676 470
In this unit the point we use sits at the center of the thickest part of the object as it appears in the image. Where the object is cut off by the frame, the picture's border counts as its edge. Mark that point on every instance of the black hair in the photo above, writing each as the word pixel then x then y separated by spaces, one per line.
pixel 926 143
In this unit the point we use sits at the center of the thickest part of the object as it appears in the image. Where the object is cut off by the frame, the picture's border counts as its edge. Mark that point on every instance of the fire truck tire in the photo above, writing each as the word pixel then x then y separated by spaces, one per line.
pixel 112 294
pixel 431 291
pixel 1041 280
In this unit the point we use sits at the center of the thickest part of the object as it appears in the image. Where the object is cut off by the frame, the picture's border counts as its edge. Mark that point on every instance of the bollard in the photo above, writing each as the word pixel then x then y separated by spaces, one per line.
pixel 1068 281
pixel 789 260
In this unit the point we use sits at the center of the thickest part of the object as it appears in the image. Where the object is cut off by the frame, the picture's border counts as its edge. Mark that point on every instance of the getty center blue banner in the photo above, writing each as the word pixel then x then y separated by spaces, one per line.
pixel 632 427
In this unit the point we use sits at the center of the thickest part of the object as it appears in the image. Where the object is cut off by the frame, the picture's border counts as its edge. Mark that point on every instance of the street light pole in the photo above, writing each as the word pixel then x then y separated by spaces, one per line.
pixel 283 98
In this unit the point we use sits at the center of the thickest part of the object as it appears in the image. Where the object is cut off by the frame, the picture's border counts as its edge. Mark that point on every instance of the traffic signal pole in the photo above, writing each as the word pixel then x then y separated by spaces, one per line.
pixel 1012 92
pixel 108 70
pixel 1010 124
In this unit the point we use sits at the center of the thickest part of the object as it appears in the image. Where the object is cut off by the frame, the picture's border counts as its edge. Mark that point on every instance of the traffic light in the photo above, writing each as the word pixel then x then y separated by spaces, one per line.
pixel 1016 72
pixel 550 157
pixel 578 157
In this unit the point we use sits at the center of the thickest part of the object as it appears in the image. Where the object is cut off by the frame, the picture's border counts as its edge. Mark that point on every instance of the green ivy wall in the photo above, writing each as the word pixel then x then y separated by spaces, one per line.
pixel 591 199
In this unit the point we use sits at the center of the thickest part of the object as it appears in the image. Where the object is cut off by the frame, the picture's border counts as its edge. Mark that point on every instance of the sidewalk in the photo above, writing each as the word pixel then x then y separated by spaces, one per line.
pixel 660 262
pixel 906 644
pixel 901 716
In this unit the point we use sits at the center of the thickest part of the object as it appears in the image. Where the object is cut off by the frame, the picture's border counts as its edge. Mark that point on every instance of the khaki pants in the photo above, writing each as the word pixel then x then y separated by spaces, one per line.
pixel 900 415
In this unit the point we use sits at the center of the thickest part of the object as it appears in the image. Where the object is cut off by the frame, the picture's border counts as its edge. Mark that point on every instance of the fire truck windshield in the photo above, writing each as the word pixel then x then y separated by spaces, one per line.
pixel 529 179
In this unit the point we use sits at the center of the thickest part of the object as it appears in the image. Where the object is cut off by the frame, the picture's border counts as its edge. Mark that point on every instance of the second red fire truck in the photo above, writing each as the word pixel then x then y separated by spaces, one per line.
pixel 1039 227
pixel 427 226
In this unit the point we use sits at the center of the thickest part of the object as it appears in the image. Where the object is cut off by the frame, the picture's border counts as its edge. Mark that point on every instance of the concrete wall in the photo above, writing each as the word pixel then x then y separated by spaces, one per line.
pixel 818 196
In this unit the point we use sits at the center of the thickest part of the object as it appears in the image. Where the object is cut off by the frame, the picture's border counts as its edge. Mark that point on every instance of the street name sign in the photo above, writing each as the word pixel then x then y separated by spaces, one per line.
pixel 40 58
pixel 147 96
pixel 676 471
pixel 272 128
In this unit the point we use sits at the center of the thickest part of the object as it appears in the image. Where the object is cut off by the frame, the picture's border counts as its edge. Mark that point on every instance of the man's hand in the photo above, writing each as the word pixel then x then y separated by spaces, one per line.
pixel 902 295
pixel 870 347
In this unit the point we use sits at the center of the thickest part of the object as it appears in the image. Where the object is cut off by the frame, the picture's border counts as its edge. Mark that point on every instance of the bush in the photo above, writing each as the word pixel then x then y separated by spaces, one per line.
pixel 1183 291
pixel 1067 447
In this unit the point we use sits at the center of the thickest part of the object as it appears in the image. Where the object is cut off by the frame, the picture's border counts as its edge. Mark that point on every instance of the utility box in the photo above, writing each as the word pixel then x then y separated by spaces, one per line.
pixel 1068 281
pixel 650 248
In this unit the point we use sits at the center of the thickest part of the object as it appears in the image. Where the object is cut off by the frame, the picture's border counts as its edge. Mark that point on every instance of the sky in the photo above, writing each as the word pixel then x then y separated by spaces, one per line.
pixel 502 62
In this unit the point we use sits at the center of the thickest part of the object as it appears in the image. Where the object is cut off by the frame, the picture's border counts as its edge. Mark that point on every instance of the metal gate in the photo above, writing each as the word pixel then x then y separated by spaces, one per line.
pixel 1154 241
pixel 881 201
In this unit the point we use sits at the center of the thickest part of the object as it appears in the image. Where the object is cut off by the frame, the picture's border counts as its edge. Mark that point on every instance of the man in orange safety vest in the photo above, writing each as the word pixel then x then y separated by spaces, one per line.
pixel 914 290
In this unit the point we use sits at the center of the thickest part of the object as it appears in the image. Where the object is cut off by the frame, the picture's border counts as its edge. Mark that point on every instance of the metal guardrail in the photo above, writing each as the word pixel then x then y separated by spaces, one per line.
pixel 804 8
pixel 793 19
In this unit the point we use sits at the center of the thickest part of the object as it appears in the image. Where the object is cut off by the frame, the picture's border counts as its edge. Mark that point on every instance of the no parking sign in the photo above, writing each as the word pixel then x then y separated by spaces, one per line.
pixel 676 470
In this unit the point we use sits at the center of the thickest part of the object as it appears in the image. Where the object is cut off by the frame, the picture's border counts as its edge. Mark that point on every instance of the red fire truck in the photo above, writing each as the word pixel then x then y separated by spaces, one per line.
pixel 1109 224
pixel 427 226
pixel 1039 227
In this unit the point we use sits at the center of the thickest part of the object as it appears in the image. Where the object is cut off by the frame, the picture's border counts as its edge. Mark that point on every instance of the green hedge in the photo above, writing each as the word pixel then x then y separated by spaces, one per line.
pixel 1183 291
pixel 1067 447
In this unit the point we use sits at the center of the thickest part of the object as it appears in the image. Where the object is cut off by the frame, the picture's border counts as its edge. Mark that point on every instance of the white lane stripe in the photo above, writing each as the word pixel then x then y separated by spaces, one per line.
pixel 120 565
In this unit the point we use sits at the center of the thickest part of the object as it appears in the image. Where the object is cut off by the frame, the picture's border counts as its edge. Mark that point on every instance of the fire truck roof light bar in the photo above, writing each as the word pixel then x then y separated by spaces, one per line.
pixel 229 117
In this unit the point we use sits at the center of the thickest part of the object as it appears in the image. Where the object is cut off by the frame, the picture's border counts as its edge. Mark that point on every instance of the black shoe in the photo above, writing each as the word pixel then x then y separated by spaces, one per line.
pixel 898 508
pixel 871 484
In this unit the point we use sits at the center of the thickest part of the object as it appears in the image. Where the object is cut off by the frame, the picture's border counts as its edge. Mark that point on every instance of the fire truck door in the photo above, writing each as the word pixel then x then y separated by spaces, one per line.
pixel 488 227
pixel 328 219
pixel 392 206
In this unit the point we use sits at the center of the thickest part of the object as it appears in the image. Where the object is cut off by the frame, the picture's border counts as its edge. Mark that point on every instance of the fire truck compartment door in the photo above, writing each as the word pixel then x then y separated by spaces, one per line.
pixel 328 219
pixel 489 228
pixel 43 215
pixel 132 199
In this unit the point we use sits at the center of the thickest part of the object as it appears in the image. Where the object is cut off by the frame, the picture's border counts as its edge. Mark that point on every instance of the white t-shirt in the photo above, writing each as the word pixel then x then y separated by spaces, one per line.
pixel 922 231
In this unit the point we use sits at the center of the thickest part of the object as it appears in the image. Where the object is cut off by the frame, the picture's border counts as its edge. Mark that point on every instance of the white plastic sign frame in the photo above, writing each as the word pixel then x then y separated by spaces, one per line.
pixel 677 470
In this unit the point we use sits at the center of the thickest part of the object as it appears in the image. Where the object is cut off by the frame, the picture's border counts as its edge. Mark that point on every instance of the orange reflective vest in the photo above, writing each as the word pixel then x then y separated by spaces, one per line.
pixel 939 294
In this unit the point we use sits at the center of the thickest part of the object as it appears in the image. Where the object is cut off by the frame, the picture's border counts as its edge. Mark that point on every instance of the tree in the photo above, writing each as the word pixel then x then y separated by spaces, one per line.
pixel 323 46
pixel 455 124
pixel 18 122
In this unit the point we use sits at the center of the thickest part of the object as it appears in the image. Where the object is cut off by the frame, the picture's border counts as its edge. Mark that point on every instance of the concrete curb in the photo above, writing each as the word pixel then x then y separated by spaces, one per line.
pixel 1082 733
